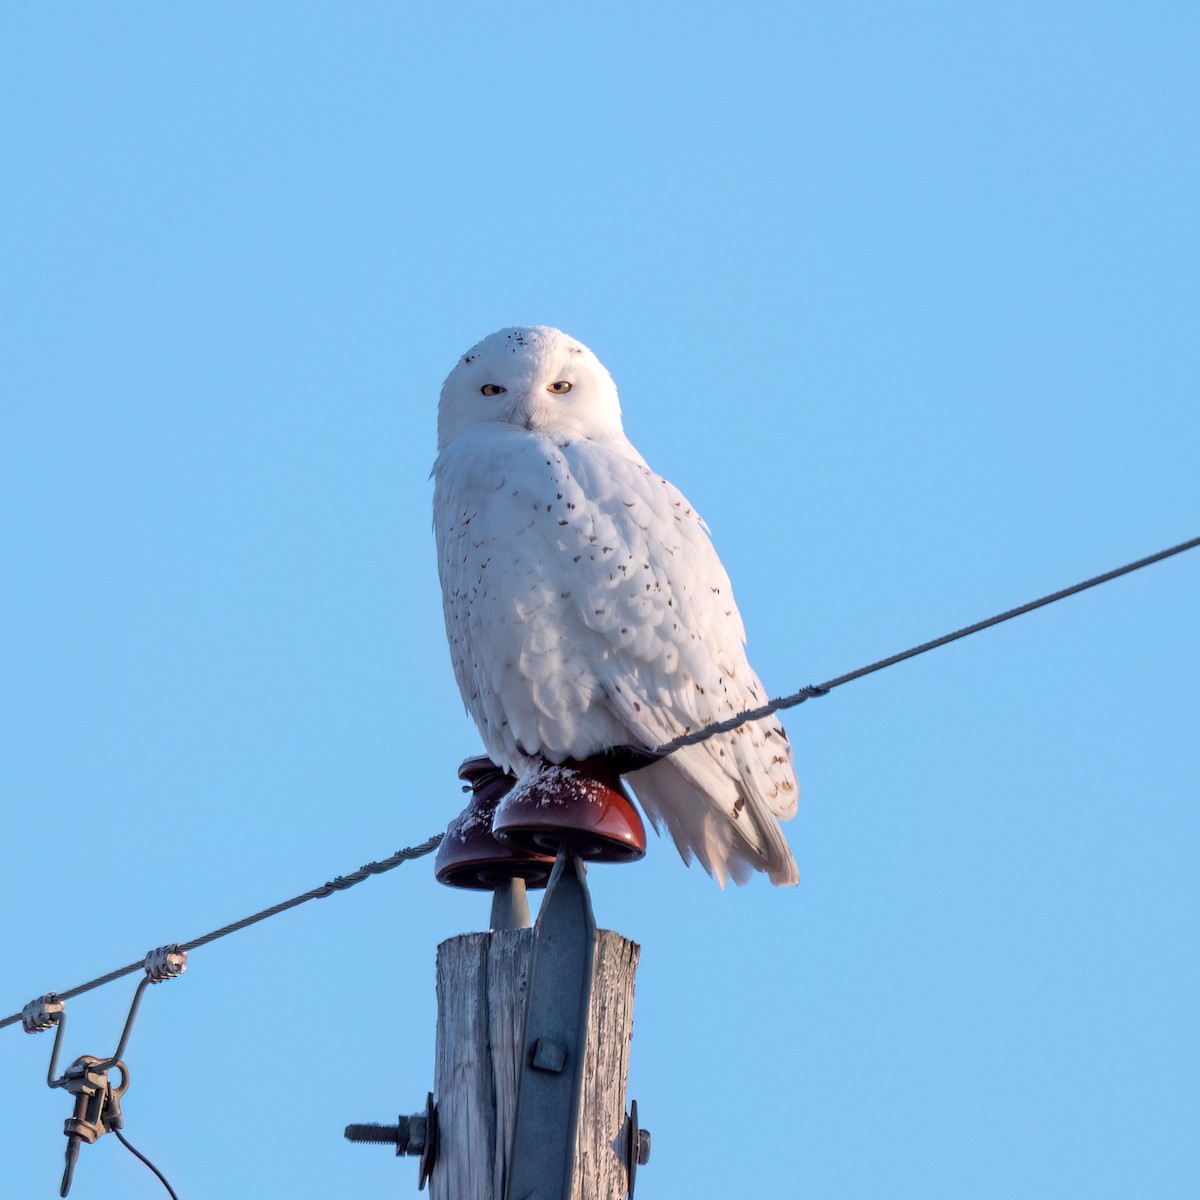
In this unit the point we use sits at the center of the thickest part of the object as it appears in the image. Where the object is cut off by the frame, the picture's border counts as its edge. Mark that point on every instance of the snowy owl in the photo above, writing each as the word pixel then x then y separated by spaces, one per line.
pixel 586 607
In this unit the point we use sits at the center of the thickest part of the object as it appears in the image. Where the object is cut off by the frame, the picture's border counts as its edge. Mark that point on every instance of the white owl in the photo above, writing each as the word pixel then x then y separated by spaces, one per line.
pixel 586 607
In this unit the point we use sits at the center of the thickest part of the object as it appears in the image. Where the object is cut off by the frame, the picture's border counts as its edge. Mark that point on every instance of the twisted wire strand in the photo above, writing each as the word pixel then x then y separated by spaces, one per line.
pixel 341 882
pixel 823 689
pixel 338 884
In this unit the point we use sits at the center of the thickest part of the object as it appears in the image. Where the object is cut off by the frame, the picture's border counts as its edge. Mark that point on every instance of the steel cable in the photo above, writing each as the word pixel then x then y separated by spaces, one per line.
pixel 341 882
pixel 823 689
pixel 338 884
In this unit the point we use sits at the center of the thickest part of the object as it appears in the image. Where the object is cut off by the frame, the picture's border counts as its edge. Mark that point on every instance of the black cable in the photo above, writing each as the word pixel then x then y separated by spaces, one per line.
pixel 135 1151
pixel 341 882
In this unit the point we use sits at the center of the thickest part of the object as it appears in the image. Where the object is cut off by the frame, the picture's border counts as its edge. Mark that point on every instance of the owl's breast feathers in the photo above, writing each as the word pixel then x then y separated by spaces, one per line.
pixel 584 602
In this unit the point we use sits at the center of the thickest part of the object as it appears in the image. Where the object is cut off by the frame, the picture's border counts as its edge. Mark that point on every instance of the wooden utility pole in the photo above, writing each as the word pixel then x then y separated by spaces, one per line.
pixel 534 1024
pixel 482 989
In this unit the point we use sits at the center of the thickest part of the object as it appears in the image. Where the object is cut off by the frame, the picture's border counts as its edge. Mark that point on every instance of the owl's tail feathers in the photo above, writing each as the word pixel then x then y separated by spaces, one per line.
pixel 726 828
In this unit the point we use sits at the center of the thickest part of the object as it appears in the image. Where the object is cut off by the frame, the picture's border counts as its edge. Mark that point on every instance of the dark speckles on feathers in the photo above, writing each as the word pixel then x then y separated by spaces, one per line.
pixel 596 649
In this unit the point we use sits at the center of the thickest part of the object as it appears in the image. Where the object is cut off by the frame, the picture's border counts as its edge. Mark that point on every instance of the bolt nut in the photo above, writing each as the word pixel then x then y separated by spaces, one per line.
pixel 418 1132
pixel 643 1147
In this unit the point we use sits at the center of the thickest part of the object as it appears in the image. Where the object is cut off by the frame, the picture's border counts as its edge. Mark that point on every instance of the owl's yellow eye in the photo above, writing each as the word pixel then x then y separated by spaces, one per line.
pixel 492 389
pixel 561 388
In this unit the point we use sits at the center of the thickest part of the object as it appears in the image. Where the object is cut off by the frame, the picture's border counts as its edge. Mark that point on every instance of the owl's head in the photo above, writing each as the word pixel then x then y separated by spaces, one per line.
pixel 534 378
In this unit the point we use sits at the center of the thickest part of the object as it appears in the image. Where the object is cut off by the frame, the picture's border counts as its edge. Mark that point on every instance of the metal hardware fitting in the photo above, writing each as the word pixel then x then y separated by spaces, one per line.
pixel 97 1101
pixel 637 1147
pixel 554 1038
pixel 415 1135
pixel 167 962
pixel 97 1107
pixel 40 1014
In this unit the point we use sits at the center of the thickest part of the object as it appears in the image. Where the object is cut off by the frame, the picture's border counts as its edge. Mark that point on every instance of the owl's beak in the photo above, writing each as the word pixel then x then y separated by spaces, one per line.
pixel 522 412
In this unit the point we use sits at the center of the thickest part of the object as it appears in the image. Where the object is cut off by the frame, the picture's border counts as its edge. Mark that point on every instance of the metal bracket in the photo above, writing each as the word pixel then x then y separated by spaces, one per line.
pixel 555 1038
pixel 97 1101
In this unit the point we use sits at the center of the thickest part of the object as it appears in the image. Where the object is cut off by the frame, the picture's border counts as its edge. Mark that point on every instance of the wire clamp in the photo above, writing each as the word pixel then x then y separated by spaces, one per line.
pixel 43 1013
pixel 97 1100
pixel 167 962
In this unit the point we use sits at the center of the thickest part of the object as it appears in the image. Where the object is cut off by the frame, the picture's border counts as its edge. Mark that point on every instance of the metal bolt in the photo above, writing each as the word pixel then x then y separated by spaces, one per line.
pixel 549 1055
pixel 410 1135
pixel 388 1135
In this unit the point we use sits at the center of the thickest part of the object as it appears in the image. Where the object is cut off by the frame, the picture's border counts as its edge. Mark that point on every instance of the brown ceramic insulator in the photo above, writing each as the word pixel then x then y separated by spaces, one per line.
pixel 580 805
pixel 470 855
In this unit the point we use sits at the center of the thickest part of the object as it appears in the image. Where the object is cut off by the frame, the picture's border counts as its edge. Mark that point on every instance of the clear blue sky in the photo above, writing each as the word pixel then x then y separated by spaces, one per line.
pixel 902 296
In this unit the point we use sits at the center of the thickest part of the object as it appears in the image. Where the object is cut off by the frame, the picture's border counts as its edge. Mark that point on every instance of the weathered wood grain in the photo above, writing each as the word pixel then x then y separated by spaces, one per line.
pixel 481 987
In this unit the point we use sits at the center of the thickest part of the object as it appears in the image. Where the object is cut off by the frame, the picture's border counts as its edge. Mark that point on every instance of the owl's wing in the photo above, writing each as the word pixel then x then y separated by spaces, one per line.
pixel 675 661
